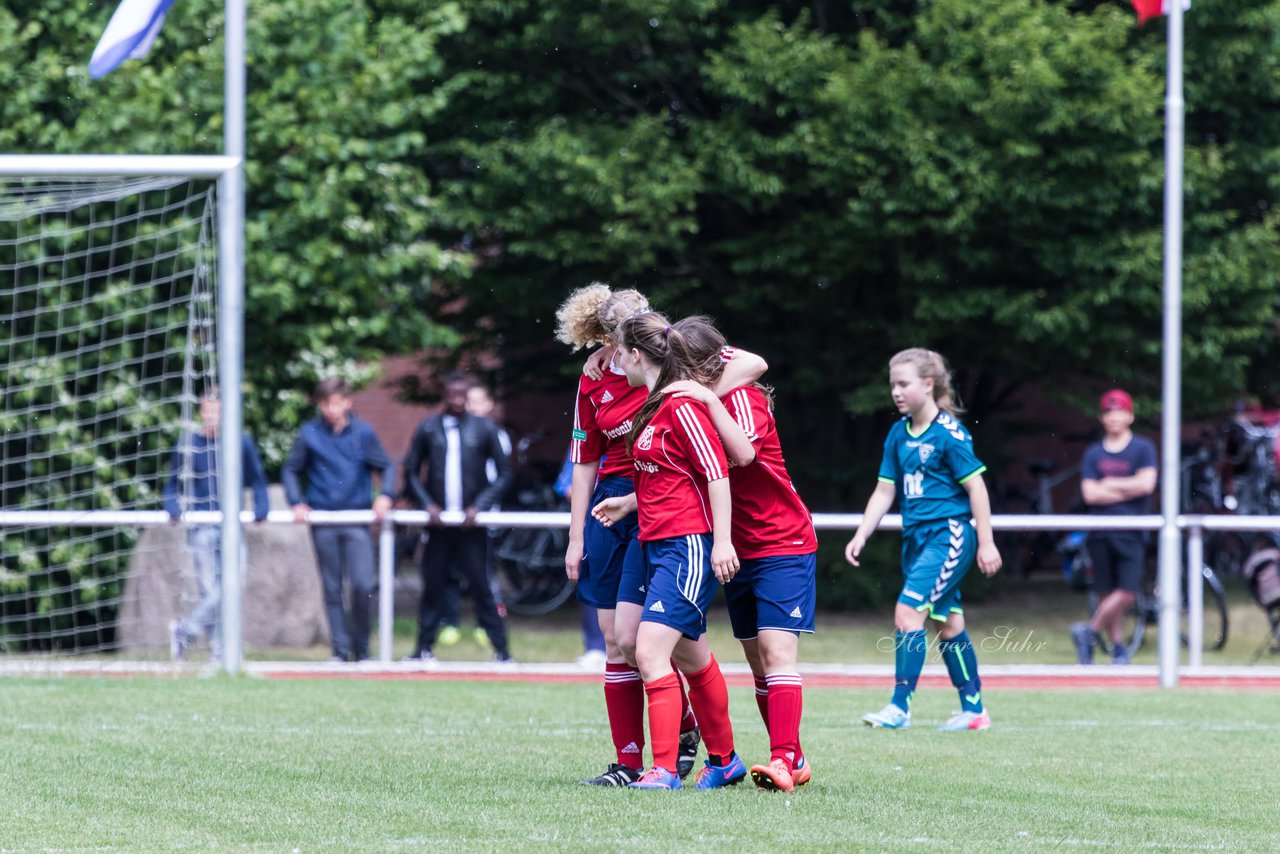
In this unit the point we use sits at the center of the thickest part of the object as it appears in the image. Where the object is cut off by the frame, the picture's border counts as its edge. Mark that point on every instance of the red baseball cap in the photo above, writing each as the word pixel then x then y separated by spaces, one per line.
pixel 1117 398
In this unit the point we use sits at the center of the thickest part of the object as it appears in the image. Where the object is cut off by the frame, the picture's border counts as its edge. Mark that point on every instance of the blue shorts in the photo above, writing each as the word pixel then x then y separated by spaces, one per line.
pixel 607 550
pixel 681 583
pixel 935 558
pixel 777 592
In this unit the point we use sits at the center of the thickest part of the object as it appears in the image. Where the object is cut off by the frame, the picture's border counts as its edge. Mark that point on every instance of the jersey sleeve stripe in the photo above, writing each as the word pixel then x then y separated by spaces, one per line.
pixel 701 444
pixel 972 474
pixel 575 444
pixel 743 414
pixel 887 480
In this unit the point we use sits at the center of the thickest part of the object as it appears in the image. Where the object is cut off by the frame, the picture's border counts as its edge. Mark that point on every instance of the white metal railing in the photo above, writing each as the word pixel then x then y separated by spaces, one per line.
pixel 1195 527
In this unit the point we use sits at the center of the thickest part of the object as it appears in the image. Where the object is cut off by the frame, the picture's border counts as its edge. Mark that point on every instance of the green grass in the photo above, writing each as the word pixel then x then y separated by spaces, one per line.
pixel 245 764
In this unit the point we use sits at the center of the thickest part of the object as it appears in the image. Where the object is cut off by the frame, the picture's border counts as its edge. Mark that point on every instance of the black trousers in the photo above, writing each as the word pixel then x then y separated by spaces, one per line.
pixel 467 550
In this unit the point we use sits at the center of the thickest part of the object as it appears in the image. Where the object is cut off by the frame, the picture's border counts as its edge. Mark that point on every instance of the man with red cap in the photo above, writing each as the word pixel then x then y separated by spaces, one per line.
pixel 1117 478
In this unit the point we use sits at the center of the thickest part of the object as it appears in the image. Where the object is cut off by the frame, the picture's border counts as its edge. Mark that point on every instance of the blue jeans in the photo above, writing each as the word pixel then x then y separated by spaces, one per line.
pixel 346 550
pixel 205 544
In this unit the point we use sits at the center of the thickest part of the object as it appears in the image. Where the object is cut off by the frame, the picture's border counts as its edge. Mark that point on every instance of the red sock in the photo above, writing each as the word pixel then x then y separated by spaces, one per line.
pixel 710 698
pixel 687 719
pixel 786 702
pixel 664 720
pixel 624 700
pixel 762 699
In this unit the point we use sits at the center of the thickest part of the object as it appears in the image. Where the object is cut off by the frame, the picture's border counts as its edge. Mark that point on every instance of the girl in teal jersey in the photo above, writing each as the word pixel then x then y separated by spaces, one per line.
pixel 930 467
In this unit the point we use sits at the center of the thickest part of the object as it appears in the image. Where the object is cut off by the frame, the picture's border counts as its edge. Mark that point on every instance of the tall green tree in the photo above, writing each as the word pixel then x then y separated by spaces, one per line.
pixel 338 262
pixel 984 178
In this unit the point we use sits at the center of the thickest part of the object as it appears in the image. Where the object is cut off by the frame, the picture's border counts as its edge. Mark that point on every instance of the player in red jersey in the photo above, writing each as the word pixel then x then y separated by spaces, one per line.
pixel 684 514
pixel 772 599
pixel 607 563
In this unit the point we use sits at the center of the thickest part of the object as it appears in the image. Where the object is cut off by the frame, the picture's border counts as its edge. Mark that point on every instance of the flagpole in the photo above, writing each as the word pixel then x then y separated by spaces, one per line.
pixel 1170 554
pixel 231 336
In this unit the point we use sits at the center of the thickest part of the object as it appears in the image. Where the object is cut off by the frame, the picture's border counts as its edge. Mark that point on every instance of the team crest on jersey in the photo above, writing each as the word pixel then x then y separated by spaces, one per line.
pixel 645 442
pixel 926 451
pixel 606 397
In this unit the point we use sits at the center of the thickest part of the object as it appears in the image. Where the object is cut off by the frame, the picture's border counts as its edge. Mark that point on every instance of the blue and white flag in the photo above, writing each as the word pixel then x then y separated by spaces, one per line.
pixel 129 35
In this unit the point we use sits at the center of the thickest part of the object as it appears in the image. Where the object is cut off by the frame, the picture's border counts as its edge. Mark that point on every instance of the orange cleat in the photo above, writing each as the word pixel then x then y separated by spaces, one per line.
pixel 773 777
pixel 801 773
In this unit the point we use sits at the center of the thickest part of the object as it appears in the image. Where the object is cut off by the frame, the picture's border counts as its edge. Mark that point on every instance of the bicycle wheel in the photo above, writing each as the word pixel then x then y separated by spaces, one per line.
pixel 1216 615
pixel 529 563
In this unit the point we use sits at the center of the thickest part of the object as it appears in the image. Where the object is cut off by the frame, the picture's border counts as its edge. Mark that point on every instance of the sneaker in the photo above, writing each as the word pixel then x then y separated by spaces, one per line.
pixel 688 754
pixel 1120 655
pixel 615 775
pixel 502 658
pixel 656 778
pixel 336 659
pixel 1085 639
pixel 801 773
pixel 719 776
pixel 449 636
pixel 890 717
pixel 177 640
pixel 773 777
pixel 961 721
pixel 593 660
pixel 422 656
pixel 481 637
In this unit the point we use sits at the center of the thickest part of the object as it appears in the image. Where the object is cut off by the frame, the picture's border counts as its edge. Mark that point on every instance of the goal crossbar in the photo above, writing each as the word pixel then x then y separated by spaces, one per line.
pixel 117 165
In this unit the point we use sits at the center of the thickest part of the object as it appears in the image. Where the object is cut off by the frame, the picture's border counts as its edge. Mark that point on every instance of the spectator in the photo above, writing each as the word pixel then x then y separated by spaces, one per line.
pixel 193 486
pixel 455 448
pixel 338 454
pixel 1117 478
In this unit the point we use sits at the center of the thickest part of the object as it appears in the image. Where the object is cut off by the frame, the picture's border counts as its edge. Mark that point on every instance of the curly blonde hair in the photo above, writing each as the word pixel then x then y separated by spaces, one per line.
pixel 590 314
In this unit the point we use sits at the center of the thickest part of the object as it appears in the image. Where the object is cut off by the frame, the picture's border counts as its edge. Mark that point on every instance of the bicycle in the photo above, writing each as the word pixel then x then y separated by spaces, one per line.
pixel 529 562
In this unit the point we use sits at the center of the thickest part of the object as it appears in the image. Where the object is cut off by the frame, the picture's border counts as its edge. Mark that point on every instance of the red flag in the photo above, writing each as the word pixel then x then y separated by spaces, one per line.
pixel 1148 9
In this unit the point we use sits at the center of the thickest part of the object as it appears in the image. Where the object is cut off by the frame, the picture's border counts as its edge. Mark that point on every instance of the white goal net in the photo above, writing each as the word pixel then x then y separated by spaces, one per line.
pixel 107 300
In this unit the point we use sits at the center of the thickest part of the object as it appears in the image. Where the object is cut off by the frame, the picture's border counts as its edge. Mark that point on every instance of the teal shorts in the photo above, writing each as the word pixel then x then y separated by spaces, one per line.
pixel 936 556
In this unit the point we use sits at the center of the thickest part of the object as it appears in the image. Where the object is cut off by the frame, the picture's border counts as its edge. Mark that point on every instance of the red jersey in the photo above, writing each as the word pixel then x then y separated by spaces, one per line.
pixel 676 455
pixel 602 417
pixel 768 516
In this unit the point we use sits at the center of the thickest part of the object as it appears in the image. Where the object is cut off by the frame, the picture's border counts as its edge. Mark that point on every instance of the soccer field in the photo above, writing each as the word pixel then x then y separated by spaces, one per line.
pixel 335 764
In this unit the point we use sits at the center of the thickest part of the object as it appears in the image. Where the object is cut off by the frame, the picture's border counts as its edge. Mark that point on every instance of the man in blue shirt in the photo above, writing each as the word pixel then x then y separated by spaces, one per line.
pixel 192 486
pixel 1117 478
pixel 338 454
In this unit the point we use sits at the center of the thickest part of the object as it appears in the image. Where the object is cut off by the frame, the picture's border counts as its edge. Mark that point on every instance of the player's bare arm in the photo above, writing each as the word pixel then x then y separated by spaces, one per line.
pixel 737 446
pixel 989 560
pixel 878 505
pixel 614 509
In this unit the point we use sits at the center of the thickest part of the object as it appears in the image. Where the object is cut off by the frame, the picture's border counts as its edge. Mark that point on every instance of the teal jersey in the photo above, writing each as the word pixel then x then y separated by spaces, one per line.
pixel 929 470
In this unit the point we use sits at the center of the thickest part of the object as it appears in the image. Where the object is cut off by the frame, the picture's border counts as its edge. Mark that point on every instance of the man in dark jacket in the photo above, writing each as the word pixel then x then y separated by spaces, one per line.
pixel 446 470
pixel 338 454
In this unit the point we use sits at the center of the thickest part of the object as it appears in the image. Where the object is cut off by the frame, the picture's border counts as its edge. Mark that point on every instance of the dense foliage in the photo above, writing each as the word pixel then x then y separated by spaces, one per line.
pixel 831 182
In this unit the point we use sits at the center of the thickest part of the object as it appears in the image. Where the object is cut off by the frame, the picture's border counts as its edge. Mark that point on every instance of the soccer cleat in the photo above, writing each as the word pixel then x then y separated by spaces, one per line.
pixel 449 636
pixel 719 776
pixel 688 754
pixel 773 777
pixel 615 775
pixel 801 773
pixel 177 640
pixel 656 778
pixel 890 717
pixel 962 721
pixel 1085 639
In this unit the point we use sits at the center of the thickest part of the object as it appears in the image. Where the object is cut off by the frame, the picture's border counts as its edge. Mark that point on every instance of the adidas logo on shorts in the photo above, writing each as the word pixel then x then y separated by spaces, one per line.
pixel 796 613
pixel 657 607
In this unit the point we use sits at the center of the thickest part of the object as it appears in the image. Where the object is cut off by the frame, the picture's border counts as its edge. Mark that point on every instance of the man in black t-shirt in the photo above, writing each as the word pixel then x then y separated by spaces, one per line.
pixel 1117 478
